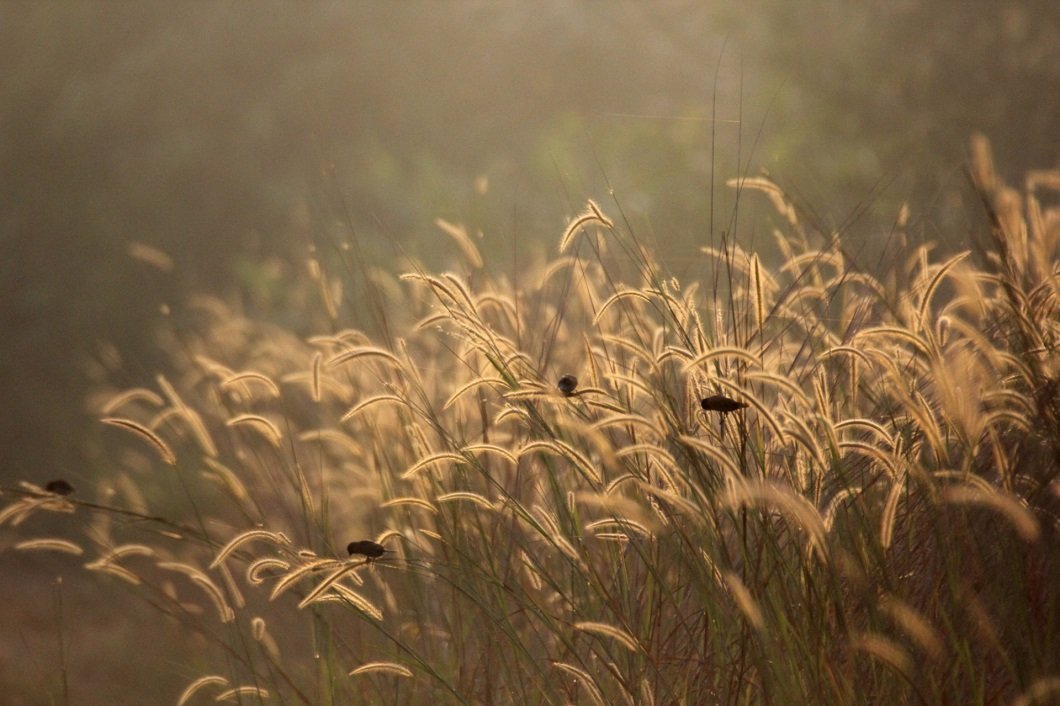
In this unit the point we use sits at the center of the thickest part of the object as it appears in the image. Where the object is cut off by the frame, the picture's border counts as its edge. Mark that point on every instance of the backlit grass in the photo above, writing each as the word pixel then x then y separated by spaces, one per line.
pixel 877 525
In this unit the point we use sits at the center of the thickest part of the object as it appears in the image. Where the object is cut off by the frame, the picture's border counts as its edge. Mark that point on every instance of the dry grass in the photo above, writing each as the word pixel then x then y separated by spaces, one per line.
pixel 879 525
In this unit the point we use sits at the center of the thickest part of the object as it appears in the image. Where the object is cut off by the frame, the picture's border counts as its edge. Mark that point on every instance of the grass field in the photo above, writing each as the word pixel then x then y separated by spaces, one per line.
pixel 878 525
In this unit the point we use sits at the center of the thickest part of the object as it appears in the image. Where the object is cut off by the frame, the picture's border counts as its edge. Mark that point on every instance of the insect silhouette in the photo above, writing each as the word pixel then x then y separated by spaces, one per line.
pixel 721 403
pixel 567 385
pixel 59 487
pixel 367 548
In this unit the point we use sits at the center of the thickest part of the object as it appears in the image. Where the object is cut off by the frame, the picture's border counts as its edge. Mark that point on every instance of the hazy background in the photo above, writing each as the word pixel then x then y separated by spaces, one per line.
pixel 234 136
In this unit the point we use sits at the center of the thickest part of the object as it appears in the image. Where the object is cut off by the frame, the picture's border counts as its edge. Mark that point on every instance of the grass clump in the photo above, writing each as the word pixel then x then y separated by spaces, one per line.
pixel 539 507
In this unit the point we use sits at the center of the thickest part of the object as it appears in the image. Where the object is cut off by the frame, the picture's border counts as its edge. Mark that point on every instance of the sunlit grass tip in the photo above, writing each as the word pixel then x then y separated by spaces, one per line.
pixel 591 214
pixel 617 634
pixel 277 538
pixel 155 440
pixel 198 684
pixel 50 544
pixel 393 668
pixel 262 425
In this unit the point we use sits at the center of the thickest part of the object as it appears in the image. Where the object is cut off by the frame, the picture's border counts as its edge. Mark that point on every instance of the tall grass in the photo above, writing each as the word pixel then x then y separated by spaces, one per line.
pixel 878 525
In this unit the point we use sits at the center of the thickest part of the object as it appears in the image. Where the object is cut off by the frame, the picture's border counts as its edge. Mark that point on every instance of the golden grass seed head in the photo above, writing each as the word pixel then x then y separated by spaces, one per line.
pixel 384 667
pixel 198 684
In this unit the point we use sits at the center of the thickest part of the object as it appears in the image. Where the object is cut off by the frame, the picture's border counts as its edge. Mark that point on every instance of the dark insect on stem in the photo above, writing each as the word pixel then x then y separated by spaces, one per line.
pixel 721 403
pixel 59 487
pixel 367 548
pixel 567 385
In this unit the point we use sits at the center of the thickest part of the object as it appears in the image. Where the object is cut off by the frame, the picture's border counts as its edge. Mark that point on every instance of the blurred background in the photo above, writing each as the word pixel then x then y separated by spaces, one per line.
pixel 232 137
pixel 151 151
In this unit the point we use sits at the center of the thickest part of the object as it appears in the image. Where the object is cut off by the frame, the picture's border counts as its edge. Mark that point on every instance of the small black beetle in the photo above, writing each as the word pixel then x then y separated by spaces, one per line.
pixel 367 548
pixel 567 385
pixel 721 403
pixel 59 487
